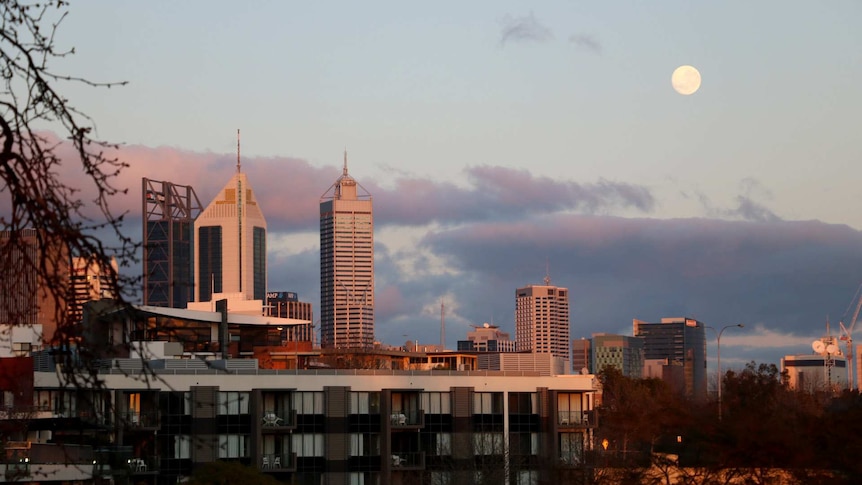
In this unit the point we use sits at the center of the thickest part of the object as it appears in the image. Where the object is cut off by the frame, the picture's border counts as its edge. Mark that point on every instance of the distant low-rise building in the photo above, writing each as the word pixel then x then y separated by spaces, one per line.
pixel 487 338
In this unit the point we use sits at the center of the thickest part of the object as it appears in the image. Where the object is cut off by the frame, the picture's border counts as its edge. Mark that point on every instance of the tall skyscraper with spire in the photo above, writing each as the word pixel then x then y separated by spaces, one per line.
pixel 346 265
pixel 230 243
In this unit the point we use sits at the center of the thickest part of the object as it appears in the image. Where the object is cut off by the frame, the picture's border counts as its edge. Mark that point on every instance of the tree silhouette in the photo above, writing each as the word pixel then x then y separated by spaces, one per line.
pixel 62 216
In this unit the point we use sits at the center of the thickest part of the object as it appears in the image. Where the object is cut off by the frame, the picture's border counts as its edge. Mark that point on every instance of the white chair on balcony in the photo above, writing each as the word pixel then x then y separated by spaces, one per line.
pixel 271 419
pixel 265 461
pixel 276 462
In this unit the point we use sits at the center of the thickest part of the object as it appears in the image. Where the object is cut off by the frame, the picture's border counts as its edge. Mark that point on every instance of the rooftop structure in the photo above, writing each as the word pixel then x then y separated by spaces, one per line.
pixel 487 338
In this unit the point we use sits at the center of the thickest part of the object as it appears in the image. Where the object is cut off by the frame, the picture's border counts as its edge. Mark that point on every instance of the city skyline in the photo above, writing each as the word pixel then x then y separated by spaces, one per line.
pixel 549 134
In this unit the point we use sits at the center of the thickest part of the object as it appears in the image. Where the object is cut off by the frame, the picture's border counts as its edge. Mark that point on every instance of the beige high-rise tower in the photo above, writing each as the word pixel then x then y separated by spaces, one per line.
pixel 346 265
pixel 230 244
pixel 542 319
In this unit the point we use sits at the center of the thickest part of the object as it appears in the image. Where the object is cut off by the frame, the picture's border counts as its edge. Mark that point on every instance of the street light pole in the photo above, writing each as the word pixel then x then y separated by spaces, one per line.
pixel 718 355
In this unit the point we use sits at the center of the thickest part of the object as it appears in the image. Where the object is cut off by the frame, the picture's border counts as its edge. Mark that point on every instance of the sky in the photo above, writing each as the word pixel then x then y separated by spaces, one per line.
pixel 503 141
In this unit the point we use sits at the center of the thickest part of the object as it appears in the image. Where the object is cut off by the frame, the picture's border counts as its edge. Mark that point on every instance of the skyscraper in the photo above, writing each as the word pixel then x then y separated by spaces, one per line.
pixel 680 343
pixel 542 319
pixel 169 214
pixel 230 244
pixel 346 264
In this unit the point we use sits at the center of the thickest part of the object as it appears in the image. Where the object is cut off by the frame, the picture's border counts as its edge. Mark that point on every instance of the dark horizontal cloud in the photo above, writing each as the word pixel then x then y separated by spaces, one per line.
pixel 523 29
pixel 786 276
pixel 494 193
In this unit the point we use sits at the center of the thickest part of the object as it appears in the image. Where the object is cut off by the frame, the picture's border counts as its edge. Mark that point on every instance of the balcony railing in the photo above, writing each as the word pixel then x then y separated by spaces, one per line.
pixel 407 419
pixel 278 462
pixel 134 419
pixel 576 419
pixel 278 420
pixel 408 460
pixel 147 464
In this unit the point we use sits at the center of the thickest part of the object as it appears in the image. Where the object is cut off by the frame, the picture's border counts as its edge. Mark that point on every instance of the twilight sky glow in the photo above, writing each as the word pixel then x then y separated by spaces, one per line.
pixel 500 136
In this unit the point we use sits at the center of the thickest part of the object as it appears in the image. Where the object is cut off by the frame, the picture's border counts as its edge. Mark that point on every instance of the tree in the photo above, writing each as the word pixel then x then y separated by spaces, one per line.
pixel 65 218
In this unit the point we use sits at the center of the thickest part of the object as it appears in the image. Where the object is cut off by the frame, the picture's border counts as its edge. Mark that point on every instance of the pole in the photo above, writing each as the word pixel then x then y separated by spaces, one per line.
pixel 718 355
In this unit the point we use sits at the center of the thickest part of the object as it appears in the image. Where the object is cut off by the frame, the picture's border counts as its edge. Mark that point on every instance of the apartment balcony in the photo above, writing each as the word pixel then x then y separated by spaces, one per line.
pixel 278 421
pixel 284 462
pixel 407 420
pixel 576 419
pixel 403 461
pixel 148 465
pixel 140 420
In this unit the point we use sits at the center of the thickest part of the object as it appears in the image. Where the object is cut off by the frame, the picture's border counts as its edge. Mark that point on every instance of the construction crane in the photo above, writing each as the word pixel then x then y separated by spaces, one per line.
pixel 847 333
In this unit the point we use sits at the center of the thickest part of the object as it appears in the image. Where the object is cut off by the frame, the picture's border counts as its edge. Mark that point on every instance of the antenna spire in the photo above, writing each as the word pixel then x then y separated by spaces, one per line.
pixel 344 171
pixel 442 325
pixel 547 273
pixel 237 151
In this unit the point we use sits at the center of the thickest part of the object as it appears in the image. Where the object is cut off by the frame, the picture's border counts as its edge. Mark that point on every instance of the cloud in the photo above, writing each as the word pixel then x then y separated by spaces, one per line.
pixel 587 42
pixel 524 29
pixel 747 207
pixel 495 193
pixel 290 190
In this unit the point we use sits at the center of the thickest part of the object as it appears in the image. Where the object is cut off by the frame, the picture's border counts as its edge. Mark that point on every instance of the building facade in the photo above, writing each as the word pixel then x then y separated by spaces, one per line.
pixel 813 373
pixel 230 244
pixel 582 358
pixel 168 263
pixel 90 281
pixel 542 319
pixel 622 352
pixel 346 265
pixel 311 427
pixel 681 344
pixel 286 304
pixel 35 290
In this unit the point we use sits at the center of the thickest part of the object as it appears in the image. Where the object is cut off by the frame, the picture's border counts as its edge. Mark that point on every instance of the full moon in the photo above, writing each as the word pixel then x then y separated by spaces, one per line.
pixel 685 80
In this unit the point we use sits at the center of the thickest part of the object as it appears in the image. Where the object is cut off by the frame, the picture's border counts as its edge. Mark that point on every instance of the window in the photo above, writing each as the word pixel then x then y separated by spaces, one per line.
pixel 364 444
pixel 488 403
pixel 309 444
pixel 523 403
pixel 308 402
pixel 182 446
pixel 571 448
pixel 524 444
pixel 232 446
pixel 436 403
pixel 487 443
pixel 569 408
pixel 527 477
pixel 231 402
pixel 364 403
